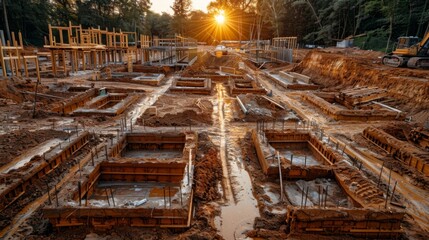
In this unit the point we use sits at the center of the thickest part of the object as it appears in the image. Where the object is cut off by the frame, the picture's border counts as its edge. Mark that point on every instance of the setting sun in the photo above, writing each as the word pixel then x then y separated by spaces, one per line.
pixel 220 17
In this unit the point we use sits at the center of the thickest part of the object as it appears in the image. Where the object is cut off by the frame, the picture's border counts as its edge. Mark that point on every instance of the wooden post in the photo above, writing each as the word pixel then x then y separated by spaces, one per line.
pixel 280 176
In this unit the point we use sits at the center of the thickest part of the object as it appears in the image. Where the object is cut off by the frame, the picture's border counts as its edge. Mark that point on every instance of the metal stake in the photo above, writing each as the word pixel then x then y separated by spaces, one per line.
pixel 393 191
pixel 107 196
pixel 111 193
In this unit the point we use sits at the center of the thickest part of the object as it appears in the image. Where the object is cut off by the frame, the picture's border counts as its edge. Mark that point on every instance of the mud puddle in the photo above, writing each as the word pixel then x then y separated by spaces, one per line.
pixel 239 207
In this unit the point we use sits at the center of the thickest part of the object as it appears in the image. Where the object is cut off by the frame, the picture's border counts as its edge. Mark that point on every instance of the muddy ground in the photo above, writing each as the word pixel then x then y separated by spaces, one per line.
pixel 333 69
pixel 208 173
pixel 15 143
pixel 341 69
pixel 260 109
pixel 177 110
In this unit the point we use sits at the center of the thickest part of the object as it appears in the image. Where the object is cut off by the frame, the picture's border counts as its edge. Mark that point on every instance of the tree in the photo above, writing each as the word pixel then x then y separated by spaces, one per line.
pixel 181 9
pixel 157 25
pixel 271 10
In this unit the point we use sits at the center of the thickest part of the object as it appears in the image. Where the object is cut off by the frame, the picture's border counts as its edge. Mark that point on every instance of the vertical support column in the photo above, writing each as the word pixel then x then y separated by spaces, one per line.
pixel 54 63
pixel 2 62
pixel 63 53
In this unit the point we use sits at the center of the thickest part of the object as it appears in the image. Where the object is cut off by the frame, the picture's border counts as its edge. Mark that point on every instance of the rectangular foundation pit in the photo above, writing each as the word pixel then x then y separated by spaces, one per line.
pixel 362 223
pixel 341 113
pixel 242 86
pixel 13 186
pixel 312 193
pixel 309 154
pixel 192 85
pixel 288 81
pixel 111 104
pixel 300 154
pixel 402 151
pixel 325 199
pixel 144 181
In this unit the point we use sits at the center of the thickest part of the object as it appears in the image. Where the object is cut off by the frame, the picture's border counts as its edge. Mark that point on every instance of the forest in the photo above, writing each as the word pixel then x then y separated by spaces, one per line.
pixel 373 24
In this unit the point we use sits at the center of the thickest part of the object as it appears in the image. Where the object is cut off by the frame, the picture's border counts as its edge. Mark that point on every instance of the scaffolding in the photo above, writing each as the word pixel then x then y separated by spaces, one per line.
pixel 14 61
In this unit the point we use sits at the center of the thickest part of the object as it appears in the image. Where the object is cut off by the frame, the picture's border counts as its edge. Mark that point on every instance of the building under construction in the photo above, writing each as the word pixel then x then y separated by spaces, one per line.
pixel 110 133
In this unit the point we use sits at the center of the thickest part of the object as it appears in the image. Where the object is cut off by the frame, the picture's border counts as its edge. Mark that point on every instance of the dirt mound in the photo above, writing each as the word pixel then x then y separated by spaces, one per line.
pixel 259 108
pixel 363 68
pixel 208 63
pixel 9 91
pixel 208 170
pixel 176 110
pixel 15 143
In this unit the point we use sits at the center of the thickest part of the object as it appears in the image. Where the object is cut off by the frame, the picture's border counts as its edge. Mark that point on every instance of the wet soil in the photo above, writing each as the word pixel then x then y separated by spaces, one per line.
pixel 271 224
pixel 40 187
pixel 339 69
pixel 208 170
pixel 15 143
pixel 260 109
pixel 177 110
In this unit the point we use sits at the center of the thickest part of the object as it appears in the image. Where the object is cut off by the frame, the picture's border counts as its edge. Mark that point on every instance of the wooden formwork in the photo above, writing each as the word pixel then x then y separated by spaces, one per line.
pixel 243 86
pixel 52 159
pixel 192 85
pixel 108 165
pixel 365 223
pixel 291 84
pixel 321 151
pixel 337 113
pixel 110 104
pixel 405 152
pixel 75 102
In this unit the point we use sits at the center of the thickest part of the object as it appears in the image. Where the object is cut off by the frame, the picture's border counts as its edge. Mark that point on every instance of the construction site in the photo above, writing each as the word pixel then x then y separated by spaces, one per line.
pixel 108 134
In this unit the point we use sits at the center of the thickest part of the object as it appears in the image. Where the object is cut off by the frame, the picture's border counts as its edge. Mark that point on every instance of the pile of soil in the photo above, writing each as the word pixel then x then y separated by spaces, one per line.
pixel 16 142
pixel 209 64
pixel 208 170
pixel 175 110
pixel 259 108
pixel 354 68
pixel 9 91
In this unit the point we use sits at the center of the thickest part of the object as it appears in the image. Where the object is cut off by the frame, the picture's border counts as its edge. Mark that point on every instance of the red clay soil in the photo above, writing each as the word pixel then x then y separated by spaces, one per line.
pixel 208 170
pixel 208 173
pixel 261 109
pixel 177 110
pixel 355 68
pixel 268 225
pixel 14 143
pixel 208 63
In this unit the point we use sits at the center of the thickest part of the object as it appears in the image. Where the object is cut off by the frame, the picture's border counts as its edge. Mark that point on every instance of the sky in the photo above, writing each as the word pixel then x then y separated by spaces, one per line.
pixel 160 6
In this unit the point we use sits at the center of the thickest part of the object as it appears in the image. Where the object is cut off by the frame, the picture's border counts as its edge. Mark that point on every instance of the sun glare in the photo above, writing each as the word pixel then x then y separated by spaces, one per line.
pixel 220 18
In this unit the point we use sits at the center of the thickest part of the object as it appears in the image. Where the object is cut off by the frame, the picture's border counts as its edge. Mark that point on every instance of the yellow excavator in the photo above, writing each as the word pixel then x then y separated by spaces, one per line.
pixel 410 52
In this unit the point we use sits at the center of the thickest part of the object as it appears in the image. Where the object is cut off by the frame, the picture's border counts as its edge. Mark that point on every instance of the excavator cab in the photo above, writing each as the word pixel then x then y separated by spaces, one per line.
pixel 407 46
pixel 410 52
pixel 406 42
